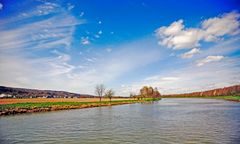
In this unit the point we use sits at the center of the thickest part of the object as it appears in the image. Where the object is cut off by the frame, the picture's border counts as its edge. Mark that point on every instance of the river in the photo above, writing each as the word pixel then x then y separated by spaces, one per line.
pixel 169 121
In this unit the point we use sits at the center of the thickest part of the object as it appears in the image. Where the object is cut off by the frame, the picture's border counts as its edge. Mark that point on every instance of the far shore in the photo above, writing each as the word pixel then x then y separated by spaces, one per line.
pixel 228 98
pixel 21 106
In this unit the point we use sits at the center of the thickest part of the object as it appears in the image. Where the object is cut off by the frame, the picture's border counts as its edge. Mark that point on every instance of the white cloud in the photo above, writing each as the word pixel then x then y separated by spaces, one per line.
pixel 1 6
pixel 81 14
pixel 176 36
pixel 189 79
pixel 19 70
pixel 85 40
pixel 122 85
pixel 70 6
pixel 170 78
pixel 91 59
pixel 190 53
pixel 174 29
pixel 225 47
pixel 62 56
pixel 226 24
pixel 160 78
pixel 59 65
pixel 45 8
pixel 209 59
pixel 97 36
pixel 100 32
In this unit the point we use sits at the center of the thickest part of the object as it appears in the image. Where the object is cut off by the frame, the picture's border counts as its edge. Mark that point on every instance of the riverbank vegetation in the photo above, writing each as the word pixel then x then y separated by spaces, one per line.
pixel 30 107
pixel 229 98
pixel 231 93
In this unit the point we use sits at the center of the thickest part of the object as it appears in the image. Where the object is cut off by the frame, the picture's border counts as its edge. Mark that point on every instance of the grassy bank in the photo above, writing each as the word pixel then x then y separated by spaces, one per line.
pixel 229 98
pixel 29 107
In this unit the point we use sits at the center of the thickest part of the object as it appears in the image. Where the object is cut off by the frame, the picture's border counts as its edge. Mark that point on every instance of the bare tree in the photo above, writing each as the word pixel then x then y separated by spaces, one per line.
pixel 99 91
pixel 109 94
pixel 132 95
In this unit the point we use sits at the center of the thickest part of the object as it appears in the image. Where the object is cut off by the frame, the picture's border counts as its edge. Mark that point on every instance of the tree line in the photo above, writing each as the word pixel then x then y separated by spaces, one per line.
pixel 145 92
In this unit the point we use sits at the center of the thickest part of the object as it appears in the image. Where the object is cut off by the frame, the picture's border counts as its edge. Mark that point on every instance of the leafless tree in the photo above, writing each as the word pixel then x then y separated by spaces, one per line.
pixel 99 91
pixel 132 95
pixel 109 94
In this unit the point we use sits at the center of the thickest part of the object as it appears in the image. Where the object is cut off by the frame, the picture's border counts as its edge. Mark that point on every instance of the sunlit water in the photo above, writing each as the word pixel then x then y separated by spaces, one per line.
pixel 167 121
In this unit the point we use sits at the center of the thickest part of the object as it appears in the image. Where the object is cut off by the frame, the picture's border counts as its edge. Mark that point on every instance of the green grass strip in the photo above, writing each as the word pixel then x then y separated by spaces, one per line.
pixel 30 105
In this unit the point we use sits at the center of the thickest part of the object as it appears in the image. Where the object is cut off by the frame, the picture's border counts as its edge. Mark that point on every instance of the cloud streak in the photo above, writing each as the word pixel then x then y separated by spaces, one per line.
pixel 30 51
pixel 190 53
pixel 209 59
pixel 56 31
pixel 188 79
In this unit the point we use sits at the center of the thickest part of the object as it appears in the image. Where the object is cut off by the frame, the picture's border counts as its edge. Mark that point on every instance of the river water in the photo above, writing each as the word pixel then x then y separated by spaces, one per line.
pixel 169 121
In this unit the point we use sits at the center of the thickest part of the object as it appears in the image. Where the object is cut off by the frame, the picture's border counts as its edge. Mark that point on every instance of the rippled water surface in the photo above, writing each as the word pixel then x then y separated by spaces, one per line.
pixel 167 121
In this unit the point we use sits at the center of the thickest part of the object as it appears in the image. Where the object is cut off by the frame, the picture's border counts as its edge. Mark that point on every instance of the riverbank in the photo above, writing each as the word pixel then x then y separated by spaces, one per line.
pixel 31 107
pixel 41 100
pixel 228 98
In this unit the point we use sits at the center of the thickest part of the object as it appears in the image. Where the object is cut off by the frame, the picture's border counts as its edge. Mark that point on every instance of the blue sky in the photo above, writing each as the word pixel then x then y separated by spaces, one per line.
pixel 73 45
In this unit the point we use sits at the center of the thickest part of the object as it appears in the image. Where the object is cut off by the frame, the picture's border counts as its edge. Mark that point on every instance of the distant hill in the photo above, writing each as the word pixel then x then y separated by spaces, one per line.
pixel 10 92
pixel 231 90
